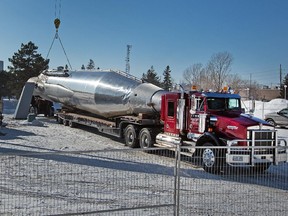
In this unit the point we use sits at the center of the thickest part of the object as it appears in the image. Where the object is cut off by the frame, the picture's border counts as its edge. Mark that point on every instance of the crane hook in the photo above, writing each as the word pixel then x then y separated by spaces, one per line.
pixel 57 23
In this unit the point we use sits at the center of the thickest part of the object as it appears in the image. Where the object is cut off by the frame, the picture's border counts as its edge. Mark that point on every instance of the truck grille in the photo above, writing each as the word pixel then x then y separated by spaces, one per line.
pixel 262 138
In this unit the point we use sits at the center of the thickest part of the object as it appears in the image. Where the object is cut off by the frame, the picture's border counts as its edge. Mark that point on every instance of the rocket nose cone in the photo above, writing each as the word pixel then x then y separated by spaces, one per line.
pixel 146 98
pixel 156 100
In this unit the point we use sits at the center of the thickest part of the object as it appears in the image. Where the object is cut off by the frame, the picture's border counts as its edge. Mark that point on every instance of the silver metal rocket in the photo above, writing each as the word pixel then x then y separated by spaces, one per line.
pixel 105 93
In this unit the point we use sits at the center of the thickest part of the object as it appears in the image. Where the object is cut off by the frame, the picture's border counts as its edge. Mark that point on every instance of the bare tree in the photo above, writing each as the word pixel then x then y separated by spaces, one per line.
pixel 235 82
pixel 196 75
pixel 219 67
pixel 252 88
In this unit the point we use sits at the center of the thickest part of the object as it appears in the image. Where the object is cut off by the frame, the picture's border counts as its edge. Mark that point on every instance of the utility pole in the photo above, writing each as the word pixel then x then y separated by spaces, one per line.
pixel 128 58
pixel 250 86
pixel 280 75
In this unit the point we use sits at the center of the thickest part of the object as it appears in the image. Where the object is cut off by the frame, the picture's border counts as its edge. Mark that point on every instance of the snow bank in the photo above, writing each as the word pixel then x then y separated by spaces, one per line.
pixel 9 106
pixel 33 123
pixel 262 108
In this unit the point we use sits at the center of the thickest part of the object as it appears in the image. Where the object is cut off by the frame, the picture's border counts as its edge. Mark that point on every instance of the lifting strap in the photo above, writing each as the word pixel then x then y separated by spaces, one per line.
pixel 57 25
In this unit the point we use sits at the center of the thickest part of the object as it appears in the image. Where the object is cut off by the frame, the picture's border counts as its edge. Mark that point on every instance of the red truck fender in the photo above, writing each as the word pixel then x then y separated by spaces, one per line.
pixel 209 137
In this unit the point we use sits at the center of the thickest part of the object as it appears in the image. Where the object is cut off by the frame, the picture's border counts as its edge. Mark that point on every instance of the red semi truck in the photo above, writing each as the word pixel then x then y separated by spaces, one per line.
pixel 144 115
pixel 216 119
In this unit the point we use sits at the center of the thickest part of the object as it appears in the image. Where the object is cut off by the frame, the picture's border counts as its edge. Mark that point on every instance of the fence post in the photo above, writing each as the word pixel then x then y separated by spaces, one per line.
pixel 177 180
pixel 263 110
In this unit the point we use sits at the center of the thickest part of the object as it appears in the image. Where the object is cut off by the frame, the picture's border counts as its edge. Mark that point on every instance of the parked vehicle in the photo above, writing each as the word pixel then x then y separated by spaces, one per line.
pixel 278 118
pixel 145 115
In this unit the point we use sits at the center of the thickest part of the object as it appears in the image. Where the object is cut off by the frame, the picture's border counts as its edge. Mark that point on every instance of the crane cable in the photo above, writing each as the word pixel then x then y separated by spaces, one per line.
pixel 57 25
pixel 59 9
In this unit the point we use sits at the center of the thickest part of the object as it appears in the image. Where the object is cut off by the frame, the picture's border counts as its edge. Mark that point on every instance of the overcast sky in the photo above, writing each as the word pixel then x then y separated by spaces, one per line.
pixel 178 33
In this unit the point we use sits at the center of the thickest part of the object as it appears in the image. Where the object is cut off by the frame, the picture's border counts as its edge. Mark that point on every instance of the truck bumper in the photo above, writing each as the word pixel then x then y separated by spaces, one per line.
pixel 251 160
pixel 253 155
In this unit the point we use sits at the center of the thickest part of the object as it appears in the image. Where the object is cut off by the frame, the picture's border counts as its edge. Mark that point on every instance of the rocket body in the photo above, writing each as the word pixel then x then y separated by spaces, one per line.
pixel 105 93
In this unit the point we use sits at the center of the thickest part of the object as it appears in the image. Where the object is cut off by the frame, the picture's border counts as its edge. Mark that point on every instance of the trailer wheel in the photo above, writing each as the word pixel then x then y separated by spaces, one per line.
pixel 59 120
pixel 145 138
pixel 72 124
pixel 212 159
pixel 130 136
pixel 65 122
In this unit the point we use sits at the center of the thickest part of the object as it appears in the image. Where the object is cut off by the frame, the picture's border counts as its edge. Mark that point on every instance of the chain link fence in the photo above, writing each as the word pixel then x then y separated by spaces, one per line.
pixel 133 182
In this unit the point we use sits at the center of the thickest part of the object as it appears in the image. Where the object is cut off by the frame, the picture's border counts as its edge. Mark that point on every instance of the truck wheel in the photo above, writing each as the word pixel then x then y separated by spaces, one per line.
pixel 131 137
pixel 145 139
pixel 211 159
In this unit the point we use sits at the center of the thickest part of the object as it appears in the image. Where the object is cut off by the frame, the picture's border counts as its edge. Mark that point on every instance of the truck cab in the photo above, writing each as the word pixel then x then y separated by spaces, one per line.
pixel 214 120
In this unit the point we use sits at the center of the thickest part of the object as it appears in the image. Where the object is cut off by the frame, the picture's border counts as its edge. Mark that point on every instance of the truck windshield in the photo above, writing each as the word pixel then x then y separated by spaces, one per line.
pixel 223 104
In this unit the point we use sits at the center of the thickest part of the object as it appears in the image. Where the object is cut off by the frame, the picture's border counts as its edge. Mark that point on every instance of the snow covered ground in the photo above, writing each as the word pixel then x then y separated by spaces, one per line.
pixel 65 183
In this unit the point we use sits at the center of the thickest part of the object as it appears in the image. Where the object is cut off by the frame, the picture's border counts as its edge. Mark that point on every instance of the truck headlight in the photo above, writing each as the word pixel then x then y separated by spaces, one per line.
pixel 282 142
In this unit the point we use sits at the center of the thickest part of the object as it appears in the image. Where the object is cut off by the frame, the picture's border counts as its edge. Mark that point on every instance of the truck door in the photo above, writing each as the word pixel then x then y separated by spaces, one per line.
pixel 169 113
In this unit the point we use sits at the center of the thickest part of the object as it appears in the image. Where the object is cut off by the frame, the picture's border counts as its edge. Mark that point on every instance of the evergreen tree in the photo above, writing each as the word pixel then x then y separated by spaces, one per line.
pixel 26 63
pixel 6 85
pixel 91 65
pixel 82 67
pixel 167 81
pixel 151 77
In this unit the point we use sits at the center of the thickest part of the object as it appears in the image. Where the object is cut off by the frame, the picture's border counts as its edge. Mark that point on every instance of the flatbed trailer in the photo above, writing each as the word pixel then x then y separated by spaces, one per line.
pixel 116 127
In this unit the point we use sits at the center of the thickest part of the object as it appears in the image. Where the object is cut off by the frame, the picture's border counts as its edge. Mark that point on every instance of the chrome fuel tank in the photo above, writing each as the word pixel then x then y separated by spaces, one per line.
pixel 105 93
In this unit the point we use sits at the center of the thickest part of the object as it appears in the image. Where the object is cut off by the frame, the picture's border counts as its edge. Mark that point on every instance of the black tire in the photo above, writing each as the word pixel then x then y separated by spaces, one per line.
pixel 51 112
pixel 260 168
pixel 130 136
pixel 272 122
pixel 59 120
pixel 146 139
pixel 212 159
pixel 65 122
pixel 72 124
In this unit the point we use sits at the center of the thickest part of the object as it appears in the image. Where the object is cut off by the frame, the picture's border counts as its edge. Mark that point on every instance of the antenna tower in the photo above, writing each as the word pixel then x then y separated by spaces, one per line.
pixel 128 59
